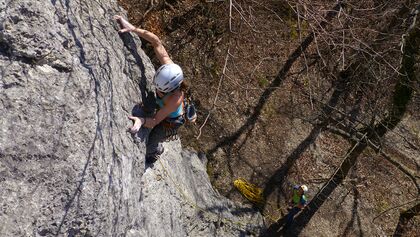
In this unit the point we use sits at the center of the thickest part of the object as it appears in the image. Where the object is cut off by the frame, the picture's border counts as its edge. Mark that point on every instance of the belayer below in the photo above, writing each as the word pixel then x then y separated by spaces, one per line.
pixel 297 203
pixel 170 100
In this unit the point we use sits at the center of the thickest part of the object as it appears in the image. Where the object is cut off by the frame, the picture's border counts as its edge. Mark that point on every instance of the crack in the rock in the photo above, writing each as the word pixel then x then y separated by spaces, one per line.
pixel 98 132
pixel 7 51
pixel 10 85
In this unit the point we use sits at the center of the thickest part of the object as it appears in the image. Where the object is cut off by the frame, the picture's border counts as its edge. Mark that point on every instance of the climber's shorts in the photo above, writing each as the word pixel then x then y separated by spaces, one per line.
pixel 174 123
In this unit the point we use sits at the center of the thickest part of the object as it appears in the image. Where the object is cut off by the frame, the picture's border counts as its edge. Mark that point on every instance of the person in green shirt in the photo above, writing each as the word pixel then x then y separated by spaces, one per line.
pixel 298 202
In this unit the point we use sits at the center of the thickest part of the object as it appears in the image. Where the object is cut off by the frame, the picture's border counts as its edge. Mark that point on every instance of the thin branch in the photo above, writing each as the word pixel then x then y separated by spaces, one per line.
pixel 217 93
pixel 392 208
pixel 407 171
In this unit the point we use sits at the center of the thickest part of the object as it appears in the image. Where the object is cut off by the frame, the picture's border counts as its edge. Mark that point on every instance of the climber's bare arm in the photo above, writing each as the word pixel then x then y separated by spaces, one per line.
pixel 172 104
pixel 160 51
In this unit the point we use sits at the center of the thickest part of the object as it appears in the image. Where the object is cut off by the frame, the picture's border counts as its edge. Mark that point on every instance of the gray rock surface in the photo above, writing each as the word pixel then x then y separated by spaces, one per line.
pixel 67 165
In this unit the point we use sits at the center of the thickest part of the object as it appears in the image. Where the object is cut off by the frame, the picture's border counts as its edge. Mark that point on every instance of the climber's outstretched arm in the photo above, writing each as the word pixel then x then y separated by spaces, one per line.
pixel 160 51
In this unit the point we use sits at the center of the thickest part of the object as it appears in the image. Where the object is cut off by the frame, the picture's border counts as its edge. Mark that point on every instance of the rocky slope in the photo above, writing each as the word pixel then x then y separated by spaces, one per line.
pixel 67 165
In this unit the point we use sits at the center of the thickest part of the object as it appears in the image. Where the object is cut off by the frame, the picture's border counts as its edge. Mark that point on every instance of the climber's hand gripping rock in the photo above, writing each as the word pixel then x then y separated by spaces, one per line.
pixel 126 26
pixel 138 122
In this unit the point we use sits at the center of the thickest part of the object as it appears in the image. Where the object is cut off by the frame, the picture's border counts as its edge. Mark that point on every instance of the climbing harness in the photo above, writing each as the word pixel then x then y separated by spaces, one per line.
pixel 171 126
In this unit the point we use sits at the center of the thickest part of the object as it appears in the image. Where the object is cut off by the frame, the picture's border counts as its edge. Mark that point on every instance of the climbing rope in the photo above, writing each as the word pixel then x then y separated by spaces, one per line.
pixel 249 191
pixel 255 195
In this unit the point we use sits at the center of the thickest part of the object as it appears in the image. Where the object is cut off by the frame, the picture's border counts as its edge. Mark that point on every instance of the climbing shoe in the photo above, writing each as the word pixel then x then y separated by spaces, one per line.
pixel 150 159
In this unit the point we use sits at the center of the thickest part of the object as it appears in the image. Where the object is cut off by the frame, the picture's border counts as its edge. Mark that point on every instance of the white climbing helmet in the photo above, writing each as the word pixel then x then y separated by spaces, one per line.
pixel 304 188
pixel 168 77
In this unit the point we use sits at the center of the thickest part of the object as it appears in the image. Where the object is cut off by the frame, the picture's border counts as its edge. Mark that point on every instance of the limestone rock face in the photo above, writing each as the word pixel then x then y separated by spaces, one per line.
pixel 68 167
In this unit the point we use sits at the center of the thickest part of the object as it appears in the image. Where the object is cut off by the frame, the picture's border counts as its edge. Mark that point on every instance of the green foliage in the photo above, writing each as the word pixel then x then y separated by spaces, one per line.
pixel 213 68
pixel 209 169
pixel 269 110
pixel 382 205
pixel 294 26
pixel 262 81
pixel 293 31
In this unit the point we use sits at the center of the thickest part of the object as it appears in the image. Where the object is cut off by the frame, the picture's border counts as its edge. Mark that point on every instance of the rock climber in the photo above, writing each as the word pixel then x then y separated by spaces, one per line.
pixel 297 203
pixel 170 91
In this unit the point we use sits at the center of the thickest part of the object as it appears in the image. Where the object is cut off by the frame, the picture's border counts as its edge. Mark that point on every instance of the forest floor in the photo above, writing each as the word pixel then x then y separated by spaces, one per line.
pixel 255 125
